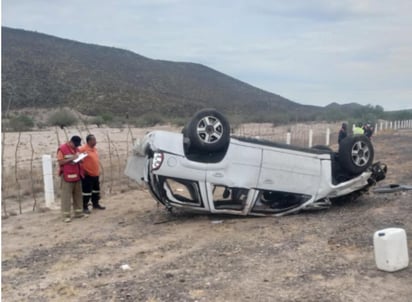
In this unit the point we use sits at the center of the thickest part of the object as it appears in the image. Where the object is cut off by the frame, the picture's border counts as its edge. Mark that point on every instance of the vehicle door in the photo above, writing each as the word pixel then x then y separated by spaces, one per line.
pixel 230 182
pixel 288 170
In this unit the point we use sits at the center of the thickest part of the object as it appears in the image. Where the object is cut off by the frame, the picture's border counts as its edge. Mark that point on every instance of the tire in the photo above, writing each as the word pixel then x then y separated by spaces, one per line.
pixel 355 154
pixel 208 130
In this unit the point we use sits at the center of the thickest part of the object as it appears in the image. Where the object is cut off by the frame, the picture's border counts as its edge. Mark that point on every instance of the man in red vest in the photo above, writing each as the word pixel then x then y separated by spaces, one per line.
pixel 71 173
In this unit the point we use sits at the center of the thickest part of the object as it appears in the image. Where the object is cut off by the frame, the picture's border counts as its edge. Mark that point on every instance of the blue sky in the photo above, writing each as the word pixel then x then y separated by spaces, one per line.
pixel 309 51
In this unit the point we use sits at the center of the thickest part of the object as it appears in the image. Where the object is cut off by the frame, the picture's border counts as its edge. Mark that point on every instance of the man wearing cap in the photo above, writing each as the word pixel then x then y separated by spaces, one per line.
pixel 71 173
pixel 90 182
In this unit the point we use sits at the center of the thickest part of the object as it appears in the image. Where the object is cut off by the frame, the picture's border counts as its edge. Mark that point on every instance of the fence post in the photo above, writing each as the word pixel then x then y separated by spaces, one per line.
pixel 310 137
pixel 288 138
pixel 48 181
pixel 376 128
pixel 327 136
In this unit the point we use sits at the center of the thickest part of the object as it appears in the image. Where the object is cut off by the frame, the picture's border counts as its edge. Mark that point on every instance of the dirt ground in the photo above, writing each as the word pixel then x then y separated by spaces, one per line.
pixel 136 251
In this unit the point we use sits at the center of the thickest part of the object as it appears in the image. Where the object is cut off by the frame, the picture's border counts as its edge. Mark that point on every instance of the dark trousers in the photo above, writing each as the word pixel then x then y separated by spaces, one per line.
pixel 91 190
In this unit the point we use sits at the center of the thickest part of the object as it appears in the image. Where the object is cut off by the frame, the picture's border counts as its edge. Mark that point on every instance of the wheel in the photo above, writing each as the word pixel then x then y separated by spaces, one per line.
pixel 355 154
pixel 208 130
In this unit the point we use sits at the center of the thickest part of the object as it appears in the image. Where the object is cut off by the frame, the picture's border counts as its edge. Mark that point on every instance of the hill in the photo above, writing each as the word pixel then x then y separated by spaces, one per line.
pixel 42 71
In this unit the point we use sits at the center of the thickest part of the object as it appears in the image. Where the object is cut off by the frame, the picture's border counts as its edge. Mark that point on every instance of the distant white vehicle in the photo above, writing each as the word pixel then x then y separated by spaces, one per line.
pixel 204 169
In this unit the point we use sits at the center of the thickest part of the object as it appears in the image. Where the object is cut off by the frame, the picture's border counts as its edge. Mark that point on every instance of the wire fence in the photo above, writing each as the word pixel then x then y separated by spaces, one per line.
pixel 22 173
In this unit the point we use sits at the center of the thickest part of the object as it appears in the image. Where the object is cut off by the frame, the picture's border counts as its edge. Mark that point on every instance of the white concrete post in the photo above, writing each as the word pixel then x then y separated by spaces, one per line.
pixel 381 126
pixel 48 181
pixel 327 137
pixel 386 125
pixel 376 128
pixel 288 138
pixel 390 125
pixel 310 137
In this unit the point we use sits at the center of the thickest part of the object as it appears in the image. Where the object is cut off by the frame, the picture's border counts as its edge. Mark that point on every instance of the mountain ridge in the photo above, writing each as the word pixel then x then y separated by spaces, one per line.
pixel 44 71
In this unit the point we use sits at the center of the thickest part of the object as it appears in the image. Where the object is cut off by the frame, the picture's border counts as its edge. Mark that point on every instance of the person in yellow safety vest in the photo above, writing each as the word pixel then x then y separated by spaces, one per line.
pixel 358 130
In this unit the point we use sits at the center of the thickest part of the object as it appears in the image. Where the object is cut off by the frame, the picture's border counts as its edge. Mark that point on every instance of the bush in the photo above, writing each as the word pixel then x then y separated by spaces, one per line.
pixel 149 119
pixel 62 118
pixel 97 120
pixel 21 123
pixel 107 117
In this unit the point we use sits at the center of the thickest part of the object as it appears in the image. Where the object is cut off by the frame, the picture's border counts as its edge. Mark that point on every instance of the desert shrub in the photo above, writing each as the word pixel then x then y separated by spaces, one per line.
pixel 20 123
pixel 149 119
pixel 178 121
pixel 62 118
pixel 97 120
pixel 107 117
pixel 41 125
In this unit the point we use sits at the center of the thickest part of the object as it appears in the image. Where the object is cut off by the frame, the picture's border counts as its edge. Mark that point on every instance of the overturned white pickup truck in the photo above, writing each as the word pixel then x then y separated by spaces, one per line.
pixel 204 169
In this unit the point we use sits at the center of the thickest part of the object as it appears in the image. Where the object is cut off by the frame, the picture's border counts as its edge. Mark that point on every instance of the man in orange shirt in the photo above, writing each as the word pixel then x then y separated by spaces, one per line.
pixel 90 182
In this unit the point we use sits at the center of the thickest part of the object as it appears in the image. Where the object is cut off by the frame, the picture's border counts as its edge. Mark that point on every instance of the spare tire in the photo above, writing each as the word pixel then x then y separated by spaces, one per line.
pixel 208 130
pixel 355 154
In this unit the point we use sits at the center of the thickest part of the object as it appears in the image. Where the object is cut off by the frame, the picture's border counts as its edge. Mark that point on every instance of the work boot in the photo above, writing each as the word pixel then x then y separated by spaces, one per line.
pixel 99 207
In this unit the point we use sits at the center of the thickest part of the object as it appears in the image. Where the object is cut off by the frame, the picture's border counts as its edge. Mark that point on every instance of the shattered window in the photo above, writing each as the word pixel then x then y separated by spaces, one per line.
pixel 277 202
pixel 182 190
pixel 229 198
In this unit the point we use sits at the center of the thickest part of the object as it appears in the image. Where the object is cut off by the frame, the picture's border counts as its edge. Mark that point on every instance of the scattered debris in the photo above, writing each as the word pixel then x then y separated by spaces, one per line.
pixel 392 188
pixel 216 221
pixel 125 267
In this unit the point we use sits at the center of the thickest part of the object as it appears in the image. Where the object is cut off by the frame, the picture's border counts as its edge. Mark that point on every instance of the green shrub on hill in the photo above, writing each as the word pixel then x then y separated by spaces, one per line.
pixel 62 118
pixel 20 123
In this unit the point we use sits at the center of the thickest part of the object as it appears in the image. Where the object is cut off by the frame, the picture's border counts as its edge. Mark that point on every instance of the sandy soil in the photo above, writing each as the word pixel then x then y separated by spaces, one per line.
pixel 136 251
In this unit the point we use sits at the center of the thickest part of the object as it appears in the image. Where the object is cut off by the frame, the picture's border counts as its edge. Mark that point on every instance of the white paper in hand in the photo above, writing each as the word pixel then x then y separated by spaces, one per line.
pixel 81 156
